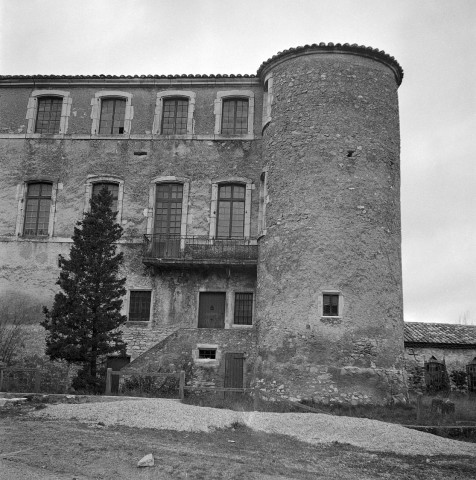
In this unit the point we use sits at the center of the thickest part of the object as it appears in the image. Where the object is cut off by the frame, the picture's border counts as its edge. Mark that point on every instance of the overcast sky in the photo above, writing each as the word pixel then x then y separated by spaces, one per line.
pixel 433 40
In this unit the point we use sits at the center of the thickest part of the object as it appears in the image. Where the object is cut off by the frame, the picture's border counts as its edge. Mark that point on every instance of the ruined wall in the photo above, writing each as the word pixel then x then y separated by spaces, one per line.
pixel 333 224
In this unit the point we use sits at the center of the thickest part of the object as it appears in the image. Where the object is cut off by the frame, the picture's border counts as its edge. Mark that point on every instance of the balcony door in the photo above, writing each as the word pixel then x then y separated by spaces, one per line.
pixel 211 310
pixel 168 219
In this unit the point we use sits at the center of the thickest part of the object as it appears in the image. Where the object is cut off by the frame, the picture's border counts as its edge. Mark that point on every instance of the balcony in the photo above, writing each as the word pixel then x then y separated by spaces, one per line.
pixel 174 251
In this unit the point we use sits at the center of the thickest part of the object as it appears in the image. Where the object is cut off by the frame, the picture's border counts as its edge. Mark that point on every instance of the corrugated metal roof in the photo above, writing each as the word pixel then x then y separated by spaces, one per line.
pixel 442 333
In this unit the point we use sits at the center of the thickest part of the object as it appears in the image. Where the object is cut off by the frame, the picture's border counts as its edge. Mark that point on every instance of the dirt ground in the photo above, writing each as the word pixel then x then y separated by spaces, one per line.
pixel 65 450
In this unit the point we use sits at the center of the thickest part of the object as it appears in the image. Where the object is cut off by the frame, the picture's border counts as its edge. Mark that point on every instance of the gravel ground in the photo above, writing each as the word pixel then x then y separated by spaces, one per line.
pixel 311 428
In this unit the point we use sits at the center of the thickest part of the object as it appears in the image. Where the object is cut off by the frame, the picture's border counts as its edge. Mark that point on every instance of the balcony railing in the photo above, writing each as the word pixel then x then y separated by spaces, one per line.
pixel 193 250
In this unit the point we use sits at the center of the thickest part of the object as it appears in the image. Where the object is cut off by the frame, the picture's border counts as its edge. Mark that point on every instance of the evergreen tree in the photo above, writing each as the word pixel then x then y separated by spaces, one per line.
pixel 84 321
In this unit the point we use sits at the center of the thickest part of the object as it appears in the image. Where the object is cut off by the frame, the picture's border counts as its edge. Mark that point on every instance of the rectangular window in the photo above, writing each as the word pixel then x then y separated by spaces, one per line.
pixel 48 116
pixel 231 211
pixel 174 116
pixel 113 112
pixel 207 353
pixel 235 117
pixel 330 305
pixel 37 209
pixel 139 305
pixel 112 188
pixel 243 309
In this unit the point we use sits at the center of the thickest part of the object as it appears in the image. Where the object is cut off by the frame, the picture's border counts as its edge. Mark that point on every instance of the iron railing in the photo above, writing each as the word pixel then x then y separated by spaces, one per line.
pixel 200 249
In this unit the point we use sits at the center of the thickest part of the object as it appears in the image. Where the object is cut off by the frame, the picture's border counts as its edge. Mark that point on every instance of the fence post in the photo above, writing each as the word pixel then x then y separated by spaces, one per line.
pixel 256 398
pixel 419 406
pixel 181 384
pixel 37 380
pixel 108 381
pixel 1 380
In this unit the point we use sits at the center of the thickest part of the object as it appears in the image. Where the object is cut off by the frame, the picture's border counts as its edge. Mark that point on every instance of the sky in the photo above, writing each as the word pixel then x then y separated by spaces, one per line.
pixel 433 40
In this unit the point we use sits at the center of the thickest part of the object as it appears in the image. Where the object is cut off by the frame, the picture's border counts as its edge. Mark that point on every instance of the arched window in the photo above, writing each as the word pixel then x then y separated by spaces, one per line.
pixel 112 117
pixel 174 111
pixel 112 188
pixel 48 112
pixel 111 113
pixel 234 113
pixel 115 186
pixel 230 210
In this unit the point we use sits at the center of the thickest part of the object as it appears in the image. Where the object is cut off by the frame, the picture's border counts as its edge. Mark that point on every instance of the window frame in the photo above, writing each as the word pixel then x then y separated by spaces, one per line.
pixel 214 204
pixel 244 325
pixel 206 362
pixel 340 304
pixel 93 179
pixel 268 97
pixel 218 111
pixel 32 110
pixel 96 106
pixel 159 106
pixel 130 291
pixel 22 191
pixel 185 199
pixel 232 200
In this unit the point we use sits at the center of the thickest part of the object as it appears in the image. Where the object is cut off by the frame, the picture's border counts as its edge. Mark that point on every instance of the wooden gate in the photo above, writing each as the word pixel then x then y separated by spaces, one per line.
pixel 211 310
pixel 436 377
pixel 234 363
pixel 471 371
pixel 116 363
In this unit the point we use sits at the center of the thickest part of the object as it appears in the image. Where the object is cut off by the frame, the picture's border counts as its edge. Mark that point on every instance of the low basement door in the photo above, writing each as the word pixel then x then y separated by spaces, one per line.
pixel 233 371
pixel 211 310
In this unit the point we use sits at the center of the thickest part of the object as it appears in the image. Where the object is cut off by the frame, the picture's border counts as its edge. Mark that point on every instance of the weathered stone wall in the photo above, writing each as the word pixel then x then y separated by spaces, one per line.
pixel 174 354
pixel 31 265
pixel 455 359
pixel 14 102
pixel 333 223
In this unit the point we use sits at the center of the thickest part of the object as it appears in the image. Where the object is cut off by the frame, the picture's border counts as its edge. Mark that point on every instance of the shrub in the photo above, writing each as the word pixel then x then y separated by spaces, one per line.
pixel 459 380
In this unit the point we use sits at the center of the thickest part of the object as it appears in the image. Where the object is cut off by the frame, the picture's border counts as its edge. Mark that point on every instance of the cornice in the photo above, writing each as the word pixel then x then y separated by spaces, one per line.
pixel 338 48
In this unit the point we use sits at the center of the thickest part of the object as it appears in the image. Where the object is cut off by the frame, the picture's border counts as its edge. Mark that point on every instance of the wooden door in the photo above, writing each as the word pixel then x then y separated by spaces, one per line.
pixel 211 310
pixel 168 219
pixel 234 370
pixel 116 363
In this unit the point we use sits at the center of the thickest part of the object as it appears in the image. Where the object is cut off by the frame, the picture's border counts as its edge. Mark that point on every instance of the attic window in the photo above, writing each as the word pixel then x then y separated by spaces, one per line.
pixel 207 353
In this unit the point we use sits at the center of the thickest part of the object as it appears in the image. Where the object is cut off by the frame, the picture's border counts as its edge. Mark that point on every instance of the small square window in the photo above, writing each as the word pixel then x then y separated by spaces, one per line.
pixel 330 305
pixel 139 305
pixel 207 353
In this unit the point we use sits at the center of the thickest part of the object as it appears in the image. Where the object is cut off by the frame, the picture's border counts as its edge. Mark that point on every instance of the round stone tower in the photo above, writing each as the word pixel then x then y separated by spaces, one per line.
pixel 329 309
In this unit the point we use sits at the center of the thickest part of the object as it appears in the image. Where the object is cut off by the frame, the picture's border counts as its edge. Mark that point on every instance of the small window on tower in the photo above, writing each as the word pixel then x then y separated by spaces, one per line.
pixel 330 305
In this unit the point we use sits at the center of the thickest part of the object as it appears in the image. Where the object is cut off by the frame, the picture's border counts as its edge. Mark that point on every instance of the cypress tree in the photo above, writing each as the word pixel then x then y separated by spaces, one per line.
pixel 84 321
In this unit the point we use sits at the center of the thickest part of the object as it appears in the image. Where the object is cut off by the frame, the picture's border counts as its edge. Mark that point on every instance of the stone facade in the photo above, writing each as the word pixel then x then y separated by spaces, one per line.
pixel 318 164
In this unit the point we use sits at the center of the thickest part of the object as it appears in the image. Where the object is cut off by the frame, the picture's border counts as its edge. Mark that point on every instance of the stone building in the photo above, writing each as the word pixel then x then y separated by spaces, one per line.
pixel 261 214
pixel 434 350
